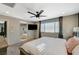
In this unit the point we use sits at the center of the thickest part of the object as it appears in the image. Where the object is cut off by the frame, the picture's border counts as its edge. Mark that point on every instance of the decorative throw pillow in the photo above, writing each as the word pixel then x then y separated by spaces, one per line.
pixel 71 44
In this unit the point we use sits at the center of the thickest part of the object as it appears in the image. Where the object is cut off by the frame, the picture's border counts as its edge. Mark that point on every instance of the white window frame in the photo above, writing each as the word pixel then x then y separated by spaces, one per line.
pixel 45 30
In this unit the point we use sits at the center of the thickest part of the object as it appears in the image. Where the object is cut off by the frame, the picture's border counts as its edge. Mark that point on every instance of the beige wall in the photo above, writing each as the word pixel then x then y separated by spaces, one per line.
pixel 68 23
pixel 12 29
pixel 31 33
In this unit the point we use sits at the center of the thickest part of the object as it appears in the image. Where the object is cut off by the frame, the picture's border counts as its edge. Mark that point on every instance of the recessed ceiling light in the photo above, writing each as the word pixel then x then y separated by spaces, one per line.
pixel 63 12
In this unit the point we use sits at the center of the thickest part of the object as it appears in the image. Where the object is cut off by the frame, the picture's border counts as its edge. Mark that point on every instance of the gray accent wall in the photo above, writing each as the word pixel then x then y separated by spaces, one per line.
pixel 50 20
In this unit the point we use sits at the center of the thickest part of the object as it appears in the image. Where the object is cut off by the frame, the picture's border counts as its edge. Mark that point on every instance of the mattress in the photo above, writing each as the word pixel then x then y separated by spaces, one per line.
pixel 46 46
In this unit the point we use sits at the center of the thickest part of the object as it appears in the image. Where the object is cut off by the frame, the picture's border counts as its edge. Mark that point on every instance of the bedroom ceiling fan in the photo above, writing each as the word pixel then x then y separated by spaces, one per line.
pixel 38 14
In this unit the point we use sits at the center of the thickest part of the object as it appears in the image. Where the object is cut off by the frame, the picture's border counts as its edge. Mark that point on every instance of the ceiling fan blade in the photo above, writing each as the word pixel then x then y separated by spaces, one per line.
pixel 31 13
pixel 42 15
pixel 32 16
pixel 41 11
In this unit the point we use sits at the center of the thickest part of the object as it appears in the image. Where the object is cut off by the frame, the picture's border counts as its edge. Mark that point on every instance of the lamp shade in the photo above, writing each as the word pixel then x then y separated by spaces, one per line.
pixel 76 29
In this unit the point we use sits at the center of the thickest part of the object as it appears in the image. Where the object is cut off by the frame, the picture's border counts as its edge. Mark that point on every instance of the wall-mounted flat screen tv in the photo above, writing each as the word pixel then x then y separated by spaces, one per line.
pixel 32 27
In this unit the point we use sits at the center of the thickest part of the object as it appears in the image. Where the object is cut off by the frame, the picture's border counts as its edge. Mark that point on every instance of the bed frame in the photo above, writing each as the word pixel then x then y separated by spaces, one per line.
pixel 23 52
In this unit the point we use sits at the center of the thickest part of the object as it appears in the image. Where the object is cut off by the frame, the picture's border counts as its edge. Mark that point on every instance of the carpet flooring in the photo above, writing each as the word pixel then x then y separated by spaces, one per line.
pixel 14 49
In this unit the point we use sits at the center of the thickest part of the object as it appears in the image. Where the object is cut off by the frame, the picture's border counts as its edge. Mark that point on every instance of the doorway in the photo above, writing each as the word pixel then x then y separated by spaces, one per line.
pixel 3 28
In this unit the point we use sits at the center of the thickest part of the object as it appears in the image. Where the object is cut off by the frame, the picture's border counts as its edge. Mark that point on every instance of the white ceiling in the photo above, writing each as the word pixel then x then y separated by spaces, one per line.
pixel 51 10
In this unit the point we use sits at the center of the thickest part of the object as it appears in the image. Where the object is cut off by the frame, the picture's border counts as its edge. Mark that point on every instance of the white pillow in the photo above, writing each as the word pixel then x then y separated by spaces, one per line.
pixel 76 50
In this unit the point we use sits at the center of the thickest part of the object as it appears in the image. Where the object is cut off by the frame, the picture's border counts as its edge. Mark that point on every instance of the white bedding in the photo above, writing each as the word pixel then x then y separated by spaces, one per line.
pixel 76 50
pixel 46 46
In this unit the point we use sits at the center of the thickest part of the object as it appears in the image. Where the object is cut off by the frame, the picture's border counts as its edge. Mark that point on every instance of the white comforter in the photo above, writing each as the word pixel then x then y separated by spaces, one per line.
pixel 46 46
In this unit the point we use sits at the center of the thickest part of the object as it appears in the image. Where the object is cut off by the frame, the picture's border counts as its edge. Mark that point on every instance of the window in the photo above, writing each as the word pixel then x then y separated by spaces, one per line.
pixel 50 27
pixel 56 27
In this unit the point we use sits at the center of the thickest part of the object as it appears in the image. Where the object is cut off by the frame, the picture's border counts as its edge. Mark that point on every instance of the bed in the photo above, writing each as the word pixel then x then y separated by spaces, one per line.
pixel 45 46
pixel 76 50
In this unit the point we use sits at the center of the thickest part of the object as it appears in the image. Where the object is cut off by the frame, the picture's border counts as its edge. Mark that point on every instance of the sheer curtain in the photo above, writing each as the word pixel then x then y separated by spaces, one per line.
pixel 51 26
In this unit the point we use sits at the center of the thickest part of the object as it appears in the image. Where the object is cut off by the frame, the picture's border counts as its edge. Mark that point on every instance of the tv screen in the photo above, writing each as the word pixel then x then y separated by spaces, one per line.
pixel 32 27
